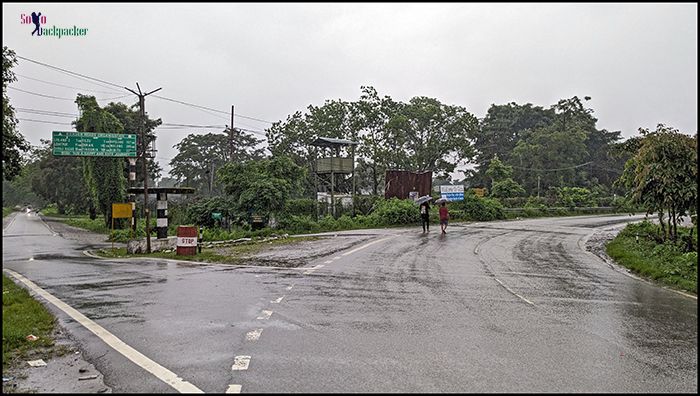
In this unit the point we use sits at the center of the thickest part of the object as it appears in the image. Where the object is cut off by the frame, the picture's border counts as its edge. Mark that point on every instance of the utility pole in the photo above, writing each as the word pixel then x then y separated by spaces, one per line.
pixel 142 107
pixel 538 186
pixel 230 139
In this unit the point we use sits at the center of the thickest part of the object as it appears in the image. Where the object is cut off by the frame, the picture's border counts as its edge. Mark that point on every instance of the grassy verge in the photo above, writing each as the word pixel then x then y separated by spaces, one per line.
pixel 228 255
pixel 6 211
pixel 667 263
pixel 22 315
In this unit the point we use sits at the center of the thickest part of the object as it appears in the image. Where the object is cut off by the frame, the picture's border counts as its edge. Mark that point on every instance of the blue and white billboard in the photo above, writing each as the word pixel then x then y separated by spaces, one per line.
pixel 452 193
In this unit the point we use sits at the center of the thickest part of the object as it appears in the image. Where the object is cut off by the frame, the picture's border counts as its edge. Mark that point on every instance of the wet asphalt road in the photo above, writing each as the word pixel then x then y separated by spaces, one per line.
pixel 515 306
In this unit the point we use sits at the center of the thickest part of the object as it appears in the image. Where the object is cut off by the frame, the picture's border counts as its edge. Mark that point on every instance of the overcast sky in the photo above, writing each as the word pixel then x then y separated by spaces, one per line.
pixel 638 62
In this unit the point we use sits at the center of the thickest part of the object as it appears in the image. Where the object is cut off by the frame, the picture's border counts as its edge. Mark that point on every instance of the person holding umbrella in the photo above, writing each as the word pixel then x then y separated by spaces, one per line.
pixel 424 211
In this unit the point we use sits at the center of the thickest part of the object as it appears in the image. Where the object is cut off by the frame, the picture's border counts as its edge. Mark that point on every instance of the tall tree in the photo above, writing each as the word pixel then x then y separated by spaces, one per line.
pixel 501 130
pixel 59 180
pixel 502 184
pixel 662 176
pixel 201 156
pixel 373 114
pixel 423 134
pixel 262 186
pixel 13 143
pixel 104 177
pixel 429 135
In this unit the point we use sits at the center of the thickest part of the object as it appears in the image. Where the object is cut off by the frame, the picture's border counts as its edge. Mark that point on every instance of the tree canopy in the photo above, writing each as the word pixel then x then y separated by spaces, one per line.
pixel 662 176
pixel 199 158
pixel 13 143
pixel 103 177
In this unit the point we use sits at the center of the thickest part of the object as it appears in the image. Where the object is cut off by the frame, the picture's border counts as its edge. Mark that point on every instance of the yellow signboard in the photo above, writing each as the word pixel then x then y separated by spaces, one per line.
pixel 121 210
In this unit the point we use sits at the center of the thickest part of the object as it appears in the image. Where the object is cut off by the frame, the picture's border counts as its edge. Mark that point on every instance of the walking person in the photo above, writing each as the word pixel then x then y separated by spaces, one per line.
pixel 424 216
pixel 444 217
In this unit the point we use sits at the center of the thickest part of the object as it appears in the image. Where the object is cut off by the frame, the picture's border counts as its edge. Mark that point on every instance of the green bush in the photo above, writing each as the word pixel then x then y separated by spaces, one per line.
pixel 571 197
pixel 365 204
pixel 639 247
pixel 199 211
pixel 298 224
pixel 300 207
pixel 327 223
pixel 482 209
pixel 396 211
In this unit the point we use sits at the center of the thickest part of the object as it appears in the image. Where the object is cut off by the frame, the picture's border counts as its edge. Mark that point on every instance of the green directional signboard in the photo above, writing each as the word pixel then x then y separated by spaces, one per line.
pixel 89 144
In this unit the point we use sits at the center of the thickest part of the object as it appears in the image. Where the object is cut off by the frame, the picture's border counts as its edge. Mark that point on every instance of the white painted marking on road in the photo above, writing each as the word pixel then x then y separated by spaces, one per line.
pixel 336 258
pixel 516 294
pixel 364 246
pixel 290 287
pixel 253 335
pixel 277 301
pixel 31 259
pixel 240 363
pixel 233 389
pixel 265 314
pixel 328 262
pixel 120 346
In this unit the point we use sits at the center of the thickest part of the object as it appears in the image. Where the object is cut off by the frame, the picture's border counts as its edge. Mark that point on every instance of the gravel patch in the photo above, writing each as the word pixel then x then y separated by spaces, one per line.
pixel 297 254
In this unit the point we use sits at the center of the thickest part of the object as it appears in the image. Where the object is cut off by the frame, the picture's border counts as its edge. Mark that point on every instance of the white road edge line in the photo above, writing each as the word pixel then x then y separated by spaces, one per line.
pixel 120 346
pixel 253 335
pixel 516 294
pixel 364 246
pixel 240 363
pixel 233 389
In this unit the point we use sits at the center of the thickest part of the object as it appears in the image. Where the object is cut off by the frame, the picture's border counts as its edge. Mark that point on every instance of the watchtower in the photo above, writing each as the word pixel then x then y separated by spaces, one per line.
pixel 331 164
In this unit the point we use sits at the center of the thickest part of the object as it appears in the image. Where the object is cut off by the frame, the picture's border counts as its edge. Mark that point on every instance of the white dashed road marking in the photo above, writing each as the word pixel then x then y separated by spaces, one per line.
pixel 277 301
pixel 240 363
pixel 265 314
pixel 233 389
pixel 516 294
pixel 364 246
pixel 120 346
pixel 253 335
pixel 290 287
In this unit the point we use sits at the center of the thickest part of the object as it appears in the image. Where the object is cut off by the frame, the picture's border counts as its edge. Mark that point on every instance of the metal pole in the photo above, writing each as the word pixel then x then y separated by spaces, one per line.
pixel 353 180
pixel 230 139
pixel 332 186
pixel 142 107
pixel 142 104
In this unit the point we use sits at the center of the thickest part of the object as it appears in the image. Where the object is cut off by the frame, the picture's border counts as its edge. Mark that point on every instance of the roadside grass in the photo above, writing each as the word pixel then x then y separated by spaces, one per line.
pixel 668 263
pixel 22 315
pixel 6 211
pixel 227 255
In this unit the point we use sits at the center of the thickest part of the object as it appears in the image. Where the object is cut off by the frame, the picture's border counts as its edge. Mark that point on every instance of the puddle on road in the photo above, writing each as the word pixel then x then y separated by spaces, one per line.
pixel 49 257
